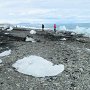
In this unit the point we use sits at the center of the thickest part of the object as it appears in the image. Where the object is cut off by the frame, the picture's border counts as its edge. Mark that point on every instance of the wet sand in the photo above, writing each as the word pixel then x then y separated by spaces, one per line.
pixel 74 55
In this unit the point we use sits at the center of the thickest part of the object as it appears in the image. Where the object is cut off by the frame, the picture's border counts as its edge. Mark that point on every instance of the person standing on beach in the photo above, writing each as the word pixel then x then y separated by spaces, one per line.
pixel 42 27
pixel 54 27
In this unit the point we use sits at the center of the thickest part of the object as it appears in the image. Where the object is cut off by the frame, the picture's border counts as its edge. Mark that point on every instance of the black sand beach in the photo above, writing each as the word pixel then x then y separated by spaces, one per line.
pixel 73 54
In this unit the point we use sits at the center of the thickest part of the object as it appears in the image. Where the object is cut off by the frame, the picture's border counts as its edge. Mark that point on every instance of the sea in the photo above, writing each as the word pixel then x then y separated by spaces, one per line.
pixel 80 28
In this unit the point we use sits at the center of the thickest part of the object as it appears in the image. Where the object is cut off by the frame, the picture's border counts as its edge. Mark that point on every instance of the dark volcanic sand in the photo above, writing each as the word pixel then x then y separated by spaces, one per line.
pixel 73 54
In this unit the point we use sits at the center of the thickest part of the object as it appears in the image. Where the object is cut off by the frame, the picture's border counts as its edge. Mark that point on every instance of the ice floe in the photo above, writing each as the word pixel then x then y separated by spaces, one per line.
pixel 29 39
pixel 5 53
pixel 0 61
pixel 32 32
pixel 37 66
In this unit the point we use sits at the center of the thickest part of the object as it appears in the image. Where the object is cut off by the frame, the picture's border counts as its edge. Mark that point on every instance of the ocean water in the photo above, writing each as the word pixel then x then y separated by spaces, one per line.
pixel 68 26
pixel 80 28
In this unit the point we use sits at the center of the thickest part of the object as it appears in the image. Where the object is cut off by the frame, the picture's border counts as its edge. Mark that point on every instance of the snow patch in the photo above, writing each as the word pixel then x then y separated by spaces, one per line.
pixel 5 53
pixel 37 66
pixel 32 32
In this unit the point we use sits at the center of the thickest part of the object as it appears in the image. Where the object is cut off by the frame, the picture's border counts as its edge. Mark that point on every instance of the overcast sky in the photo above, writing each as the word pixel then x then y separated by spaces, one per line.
pixel 44 11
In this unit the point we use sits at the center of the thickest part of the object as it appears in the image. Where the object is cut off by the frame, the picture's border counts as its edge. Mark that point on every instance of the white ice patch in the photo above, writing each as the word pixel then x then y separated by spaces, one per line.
pixel 0 61
pixel 88 49
pixel 6 33
pixel 32 32
pixel 10 29
pixel 78 30
pixel 62 28
pixel 5 53
pixel 37 66
pixel 63 39
pixel 73 33
pixel 29 39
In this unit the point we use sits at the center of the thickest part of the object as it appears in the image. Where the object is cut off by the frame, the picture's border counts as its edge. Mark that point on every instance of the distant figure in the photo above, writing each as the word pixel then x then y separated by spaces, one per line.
pixel 42 27
pixel 54 27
